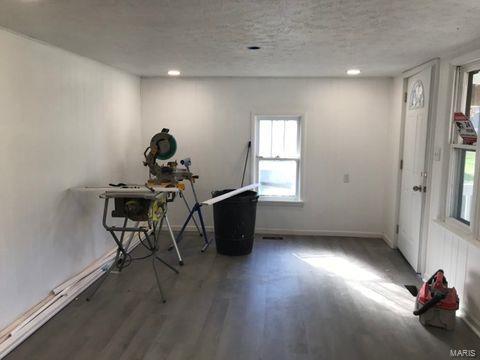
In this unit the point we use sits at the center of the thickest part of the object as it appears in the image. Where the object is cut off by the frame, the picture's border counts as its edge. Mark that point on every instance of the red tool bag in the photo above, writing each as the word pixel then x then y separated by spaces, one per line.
pixel 436 302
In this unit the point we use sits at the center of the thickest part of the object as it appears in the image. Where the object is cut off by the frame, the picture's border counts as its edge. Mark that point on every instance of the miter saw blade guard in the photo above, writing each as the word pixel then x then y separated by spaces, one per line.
pixel 163 145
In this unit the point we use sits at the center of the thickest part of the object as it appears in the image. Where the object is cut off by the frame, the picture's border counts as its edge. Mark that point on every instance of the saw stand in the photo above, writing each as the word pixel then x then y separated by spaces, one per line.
pixel 196 209
pixel 150 234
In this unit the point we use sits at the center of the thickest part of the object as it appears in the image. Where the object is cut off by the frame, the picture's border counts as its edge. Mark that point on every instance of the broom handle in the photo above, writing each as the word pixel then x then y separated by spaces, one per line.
pixel 246 161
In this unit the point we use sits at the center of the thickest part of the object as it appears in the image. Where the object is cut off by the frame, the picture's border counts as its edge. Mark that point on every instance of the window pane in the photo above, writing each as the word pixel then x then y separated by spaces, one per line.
pixel 291 149
pixel 278 177
pixel 465 176
pixel 475 101
pixel 278 135
pixel 265 136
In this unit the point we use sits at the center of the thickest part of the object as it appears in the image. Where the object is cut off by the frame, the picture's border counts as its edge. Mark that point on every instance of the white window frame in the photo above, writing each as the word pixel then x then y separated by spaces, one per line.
pixel 458 105
pixel 288 200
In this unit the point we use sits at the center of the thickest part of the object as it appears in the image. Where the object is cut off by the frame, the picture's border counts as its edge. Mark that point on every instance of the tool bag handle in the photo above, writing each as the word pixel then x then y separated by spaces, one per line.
pixel 437 297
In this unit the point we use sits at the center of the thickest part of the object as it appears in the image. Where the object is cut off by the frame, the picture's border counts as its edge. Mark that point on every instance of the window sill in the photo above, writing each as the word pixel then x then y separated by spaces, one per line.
pixel 464 146
pixel 458 230
pixel 458 226
pixel 270 202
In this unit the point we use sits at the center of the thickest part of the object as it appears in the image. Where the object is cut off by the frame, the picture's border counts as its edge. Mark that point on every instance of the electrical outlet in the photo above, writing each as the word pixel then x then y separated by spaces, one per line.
pixel 346 178
pixel 437 155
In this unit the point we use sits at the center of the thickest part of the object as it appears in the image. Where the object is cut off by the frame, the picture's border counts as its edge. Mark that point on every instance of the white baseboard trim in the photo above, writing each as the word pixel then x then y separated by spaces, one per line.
pixel 388 241
pixel 25 326
pixel 472 323
pixel 302 232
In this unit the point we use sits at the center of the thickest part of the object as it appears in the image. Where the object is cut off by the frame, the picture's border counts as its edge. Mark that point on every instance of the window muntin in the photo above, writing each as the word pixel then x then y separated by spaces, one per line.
pixel 278 157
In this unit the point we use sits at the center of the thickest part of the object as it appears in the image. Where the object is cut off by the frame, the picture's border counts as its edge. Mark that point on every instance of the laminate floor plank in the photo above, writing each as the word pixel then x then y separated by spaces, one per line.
pixel 302 298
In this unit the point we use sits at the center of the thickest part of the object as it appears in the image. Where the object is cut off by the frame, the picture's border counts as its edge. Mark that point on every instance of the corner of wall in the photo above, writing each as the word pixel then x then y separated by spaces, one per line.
pixel 388 241
pixel 392 161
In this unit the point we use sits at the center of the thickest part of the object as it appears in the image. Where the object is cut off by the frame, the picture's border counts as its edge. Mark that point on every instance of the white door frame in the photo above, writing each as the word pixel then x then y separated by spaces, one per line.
pixel 434 66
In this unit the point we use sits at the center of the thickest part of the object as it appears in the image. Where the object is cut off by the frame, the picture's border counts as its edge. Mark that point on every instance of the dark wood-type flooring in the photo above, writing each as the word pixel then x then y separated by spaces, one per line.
pixel 297 298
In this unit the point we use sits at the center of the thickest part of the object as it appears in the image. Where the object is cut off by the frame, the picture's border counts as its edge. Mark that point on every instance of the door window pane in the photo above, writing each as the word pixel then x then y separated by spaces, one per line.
pixel 277 177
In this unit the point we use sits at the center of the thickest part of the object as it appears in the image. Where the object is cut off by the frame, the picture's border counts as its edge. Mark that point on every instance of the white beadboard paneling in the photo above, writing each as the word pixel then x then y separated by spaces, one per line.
pixel 461 266
pixel 444 254
pixel 451 256
pixel 435 249
pixel 66 121
pixel 460 259
pixel 472 283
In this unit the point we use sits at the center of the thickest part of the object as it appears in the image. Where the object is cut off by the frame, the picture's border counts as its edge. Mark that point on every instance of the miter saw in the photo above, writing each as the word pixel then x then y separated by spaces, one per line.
pixel 146 206
pixel 162 147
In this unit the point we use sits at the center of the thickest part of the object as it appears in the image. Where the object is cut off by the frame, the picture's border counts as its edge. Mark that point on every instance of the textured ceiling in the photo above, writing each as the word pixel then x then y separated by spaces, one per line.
pixel 209 38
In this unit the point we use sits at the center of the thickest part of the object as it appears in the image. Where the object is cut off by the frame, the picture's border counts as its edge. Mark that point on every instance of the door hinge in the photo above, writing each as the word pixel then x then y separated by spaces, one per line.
pixel 401 164
pixel 405 97
pixel 397 228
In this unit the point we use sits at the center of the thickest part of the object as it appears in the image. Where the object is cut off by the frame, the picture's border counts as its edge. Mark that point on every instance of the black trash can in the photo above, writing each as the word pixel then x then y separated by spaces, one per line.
pixel 234 222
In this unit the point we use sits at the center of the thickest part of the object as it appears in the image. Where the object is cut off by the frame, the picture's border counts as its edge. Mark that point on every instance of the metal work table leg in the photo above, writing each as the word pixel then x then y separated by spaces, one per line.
pixel 115 262
pixel 182 195
pixel 174 241
pixel 122 255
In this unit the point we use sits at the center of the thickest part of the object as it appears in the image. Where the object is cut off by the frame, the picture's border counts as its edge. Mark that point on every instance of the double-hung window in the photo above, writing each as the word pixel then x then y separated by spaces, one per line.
pixel 278 157
pixel 463 179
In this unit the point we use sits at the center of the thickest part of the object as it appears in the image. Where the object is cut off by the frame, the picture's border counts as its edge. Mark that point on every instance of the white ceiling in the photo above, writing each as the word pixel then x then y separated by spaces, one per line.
pixel 209 37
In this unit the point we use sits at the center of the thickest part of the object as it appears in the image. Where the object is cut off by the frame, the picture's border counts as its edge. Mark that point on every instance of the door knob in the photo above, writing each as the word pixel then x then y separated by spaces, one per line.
pixel 417 188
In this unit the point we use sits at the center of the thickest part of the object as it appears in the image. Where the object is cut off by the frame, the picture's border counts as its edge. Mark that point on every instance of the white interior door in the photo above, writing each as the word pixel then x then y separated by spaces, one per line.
pixel 413 172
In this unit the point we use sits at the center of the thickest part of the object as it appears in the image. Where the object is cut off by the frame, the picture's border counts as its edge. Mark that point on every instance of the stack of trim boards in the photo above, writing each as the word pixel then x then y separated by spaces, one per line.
pixel 14 334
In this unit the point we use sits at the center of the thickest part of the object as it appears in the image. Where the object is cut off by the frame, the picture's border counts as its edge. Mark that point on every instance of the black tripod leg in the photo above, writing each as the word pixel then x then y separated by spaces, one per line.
pixel 157 278
pixel 100 281
pixel 202 223
pixel 158 227
pixel 167 265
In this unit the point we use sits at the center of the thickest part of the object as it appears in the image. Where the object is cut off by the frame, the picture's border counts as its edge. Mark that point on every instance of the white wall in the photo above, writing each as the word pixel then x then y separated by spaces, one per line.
pixel 65 121
pixel 347 121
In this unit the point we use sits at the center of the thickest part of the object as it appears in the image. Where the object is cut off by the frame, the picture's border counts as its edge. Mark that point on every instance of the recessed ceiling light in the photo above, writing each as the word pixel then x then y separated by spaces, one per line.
pixel 253 48
pixel 173 72
pixel 353 72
